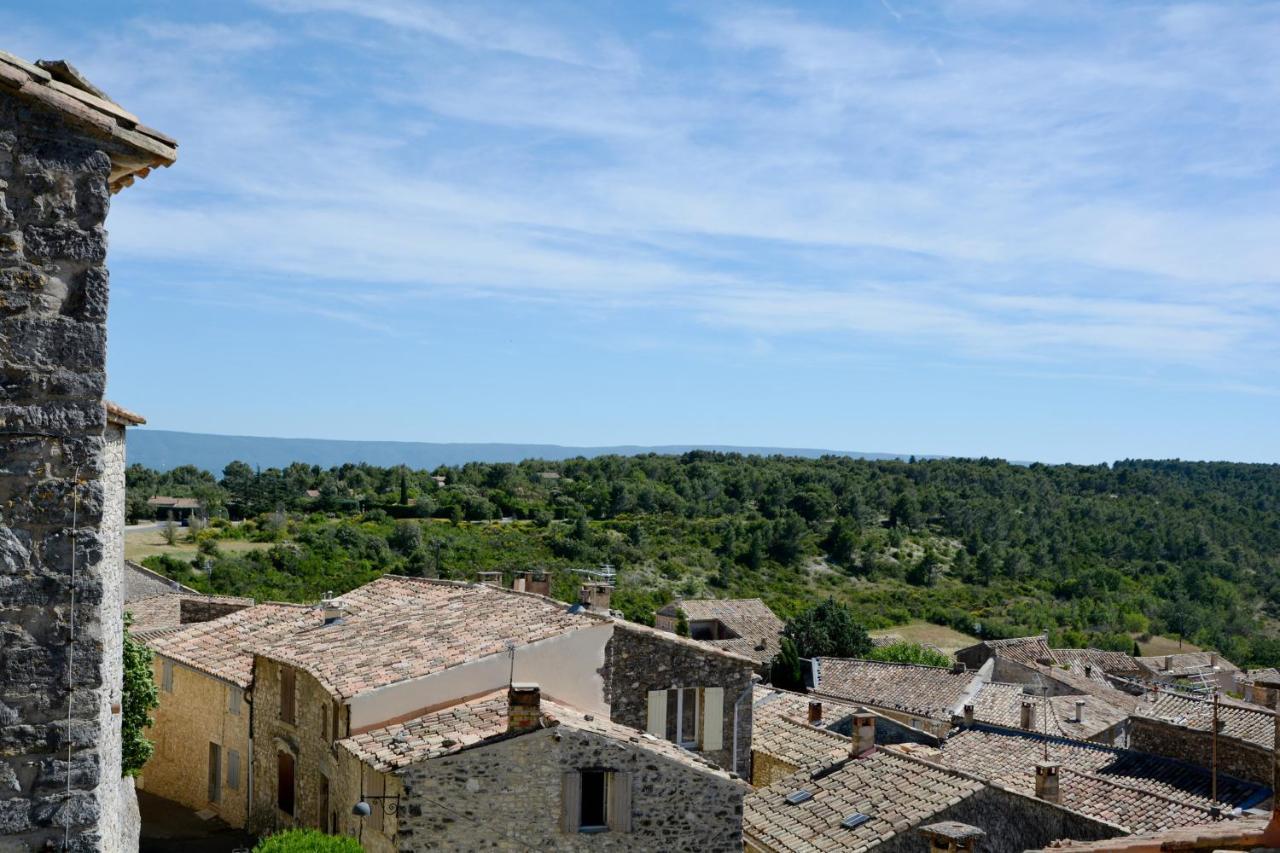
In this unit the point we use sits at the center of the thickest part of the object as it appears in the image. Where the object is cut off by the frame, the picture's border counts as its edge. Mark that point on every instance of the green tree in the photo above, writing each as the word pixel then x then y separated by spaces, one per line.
pixel 828 629
pixel 138 697
pixel 905 511
pixel 906 652
pixel 787 670
pixel 682 622
pixel 841 541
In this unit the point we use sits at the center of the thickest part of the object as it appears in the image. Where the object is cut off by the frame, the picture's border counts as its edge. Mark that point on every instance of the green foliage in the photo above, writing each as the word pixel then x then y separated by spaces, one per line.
pixel 1105 552
pixel 828 629
pixel 138 697
pixel 906 652
pixel 682 623
pixel 787 670
pixel 307 841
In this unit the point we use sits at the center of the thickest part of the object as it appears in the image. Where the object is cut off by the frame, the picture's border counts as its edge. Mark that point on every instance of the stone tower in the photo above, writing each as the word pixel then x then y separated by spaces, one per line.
pixel 64 149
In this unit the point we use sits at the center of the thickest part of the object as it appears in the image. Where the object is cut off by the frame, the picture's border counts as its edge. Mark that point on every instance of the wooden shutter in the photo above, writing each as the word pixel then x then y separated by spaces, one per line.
pixel 570 801
pixel 713 718
pixel 657 724
pixel 233 770
pixel 620 802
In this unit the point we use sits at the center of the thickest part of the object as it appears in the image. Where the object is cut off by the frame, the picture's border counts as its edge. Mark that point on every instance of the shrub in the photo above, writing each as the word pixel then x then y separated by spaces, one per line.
pixel 137 698
pixel 907 652
pixel 307 841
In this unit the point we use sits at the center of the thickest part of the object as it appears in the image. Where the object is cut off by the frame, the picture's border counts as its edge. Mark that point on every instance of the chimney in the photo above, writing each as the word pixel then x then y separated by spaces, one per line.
pixel 1168 662
pixel 1028 720
pixel 1047 782
pixel 1213 660
pixel 489 577
pixel 524 707
pixel 864 735
pixel 815 713
pixel 968 715
pixel 595 596
pixel 952 837
pixel 517 583
pixel 1079 710
pixel 1088 670
pixel 539 583
pixel 957 667
pixel 333 611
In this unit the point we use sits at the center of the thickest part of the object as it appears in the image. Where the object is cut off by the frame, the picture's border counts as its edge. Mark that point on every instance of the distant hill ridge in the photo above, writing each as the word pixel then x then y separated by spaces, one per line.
pixel 164 450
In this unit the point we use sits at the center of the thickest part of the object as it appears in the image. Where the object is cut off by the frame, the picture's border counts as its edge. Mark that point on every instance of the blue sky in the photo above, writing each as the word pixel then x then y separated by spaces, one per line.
pixel 1033 230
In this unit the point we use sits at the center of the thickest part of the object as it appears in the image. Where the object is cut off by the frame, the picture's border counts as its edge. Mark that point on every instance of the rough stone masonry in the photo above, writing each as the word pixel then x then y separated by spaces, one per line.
pixel 63 150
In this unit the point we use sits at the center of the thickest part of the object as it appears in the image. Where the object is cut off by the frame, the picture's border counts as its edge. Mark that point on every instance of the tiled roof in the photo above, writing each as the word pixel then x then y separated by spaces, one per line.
pixel 399 628
pixel 164 610
pixel 895 792
pixel 1096 685
pixel 482 720
pixel 174 503
pixel 1240 720
pixel 780 728
pixel 1116 663
pixel 1244 834
pixel 58 86
pixel 141 582
pixel 121 416
pixel 1269 674
pixel 929 691
pixel 1024 650
pixel 1185 663
pixel 1001 705
pixel 1140 791
pixel 224 647
pixel 758 628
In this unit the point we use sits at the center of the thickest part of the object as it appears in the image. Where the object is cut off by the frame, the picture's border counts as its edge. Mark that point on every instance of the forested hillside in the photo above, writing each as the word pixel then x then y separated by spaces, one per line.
pixel 1095 554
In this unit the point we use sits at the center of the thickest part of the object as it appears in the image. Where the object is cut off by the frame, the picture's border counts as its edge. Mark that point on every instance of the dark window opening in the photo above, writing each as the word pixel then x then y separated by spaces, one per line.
pixel 594 813
pixel 288 688
pixel 215 773
pixel 284 782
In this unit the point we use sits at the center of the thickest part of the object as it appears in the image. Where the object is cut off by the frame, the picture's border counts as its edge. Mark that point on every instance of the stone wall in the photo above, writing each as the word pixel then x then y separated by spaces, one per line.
pixel 767 769
pixel 315 756
pixel 206 609
pixel 507 796
pixel 54 198
pixel 1238 758
pixel 112 575
pixel 638 660
pixel 194 714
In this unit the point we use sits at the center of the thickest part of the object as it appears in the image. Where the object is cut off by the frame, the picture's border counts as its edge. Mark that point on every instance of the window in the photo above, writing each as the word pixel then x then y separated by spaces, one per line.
pixel 596 800
pixel 166 676
pixel 288 690
pixel 215 773
pixel 690 716
pixel 324 721
pixel 233 770
pixel 234 695
pixel 284 782
pixel 337 720
pixel 593 811
pixel 322 810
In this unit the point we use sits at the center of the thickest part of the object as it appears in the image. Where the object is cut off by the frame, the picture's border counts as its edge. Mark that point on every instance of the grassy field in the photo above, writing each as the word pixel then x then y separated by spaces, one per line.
pixel 140 544
pixel 1165 646
pixel 946 639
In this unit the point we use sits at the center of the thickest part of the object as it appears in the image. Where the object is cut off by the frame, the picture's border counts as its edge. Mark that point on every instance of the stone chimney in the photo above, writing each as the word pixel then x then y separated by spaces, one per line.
pixel 957 667
pixel 1028 719
pixel 952 837
pixel 1213 660
pixel 1079 710
pixel 864 735
pixel 524 707
pixel 1047 782
pixel 968 715
pixel 1168 662
pixel 538 583
pixel 517 583
pixel 333 611
pixel 815 713
pixel 595 596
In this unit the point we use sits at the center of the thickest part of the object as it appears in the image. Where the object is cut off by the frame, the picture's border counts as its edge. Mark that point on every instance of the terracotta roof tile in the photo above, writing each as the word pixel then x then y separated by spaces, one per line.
pixel 1114 663
pixel 225 647
pixel 780 728
pixel 895 792
pixel 1241 720
pixel 1187 663
pixel 399 628
pixel 1001 705
pixel 758 628
pixel 929 691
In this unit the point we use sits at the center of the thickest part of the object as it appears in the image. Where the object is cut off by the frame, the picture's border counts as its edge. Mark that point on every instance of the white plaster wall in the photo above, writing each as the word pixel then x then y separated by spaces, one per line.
pixel 118 833
pixel 566 667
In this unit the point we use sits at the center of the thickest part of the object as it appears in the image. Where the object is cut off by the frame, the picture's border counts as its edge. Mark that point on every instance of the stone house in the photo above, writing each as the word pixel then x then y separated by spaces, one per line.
pixel 743 625
pixel 1206 670
pixel 399 648
pixel 514 770
pixel 925 698
pixel 64 149
pixel 201 728
pixel 1080 716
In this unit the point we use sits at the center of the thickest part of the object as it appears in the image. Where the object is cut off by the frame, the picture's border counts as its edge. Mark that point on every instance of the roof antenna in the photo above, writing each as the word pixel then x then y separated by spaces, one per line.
pixel 511 650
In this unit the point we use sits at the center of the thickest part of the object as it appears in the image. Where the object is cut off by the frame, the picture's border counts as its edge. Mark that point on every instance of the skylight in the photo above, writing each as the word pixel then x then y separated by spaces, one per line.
pixel 795 798
pixel 855 820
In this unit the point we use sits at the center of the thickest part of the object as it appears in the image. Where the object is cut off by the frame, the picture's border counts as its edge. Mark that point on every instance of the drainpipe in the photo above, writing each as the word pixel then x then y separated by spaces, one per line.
pixel 736 705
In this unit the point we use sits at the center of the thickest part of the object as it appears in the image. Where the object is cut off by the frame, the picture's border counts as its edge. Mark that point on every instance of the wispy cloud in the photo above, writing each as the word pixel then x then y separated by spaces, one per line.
pixel 944 175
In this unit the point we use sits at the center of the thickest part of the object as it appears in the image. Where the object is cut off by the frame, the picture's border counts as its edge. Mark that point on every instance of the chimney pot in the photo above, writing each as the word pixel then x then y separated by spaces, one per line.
pixel 596 596
pixel 1028 715
pixel 1047 782
pixel 333 611
pixel 1168 662
pixel 1213 659
pixel 524 707
pixel 864 735
pixel 957 667
pixel 1079 710
pixel 968 715
pixel 815 713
